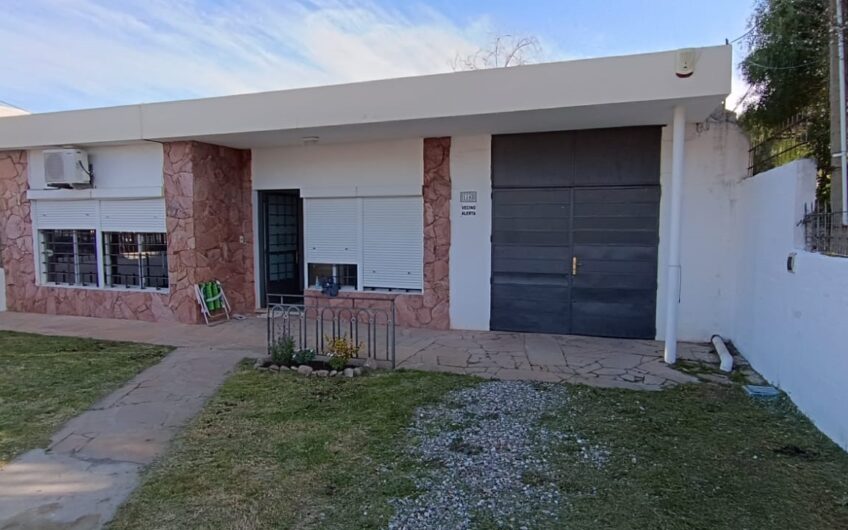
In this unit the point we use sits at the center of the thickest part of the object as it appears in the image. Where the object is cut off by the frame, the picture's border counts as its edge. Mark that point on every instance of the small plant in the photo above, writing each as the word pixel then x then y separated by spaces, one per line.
pixel 282 351
pixel 303 356
pixel 339 351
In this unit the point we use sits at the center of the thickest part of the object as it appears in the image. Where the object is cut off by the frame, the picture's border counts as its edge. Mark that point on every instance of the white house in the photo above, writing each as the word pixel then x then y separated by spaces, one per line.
pixel 556 197
pixel 597 197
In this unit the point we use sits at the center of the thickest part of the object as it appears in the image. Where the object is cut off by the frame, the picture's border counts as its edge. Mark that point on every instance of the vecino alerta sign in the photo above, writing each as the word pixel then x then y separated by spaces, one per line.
pixel 468 203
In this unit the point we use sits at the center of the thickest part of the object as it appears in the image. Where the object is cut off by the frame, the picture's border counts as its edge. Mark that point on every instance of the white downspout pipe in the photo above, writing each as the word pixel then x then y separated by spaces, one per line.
pixel 672 292
pixel 725 359
pixel 843 150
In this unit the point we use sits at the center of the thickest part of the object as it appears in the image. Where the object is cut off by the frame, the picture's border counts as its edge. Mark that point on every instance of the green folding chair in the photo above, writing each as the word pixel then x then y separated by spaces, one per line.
pixel 212 300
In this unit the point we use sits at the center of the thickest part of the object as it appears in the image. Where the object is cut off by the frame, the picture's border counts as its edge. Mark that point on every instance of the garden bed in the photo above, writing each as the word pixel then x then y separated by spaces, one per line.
pixel 338 361
pixel 315 367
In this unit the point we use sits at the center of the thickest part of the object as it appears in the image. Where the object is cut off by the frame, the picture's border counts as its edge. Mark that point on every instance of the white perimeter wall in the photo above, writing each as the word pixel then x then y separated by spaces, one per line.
pixel 791 326
pixel 471 248
pixel 716 160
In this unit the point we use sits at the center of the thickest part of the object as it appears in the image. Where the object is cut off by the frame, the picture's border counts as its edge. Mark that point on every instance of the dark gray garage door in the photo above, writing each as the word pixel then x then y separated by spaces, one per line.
pixel 575 231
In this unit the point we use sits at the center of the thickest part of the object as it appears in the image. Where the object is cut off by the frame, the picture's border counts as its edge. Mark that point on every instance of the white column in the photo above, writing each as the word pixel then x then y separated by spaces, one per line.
pixel 672 299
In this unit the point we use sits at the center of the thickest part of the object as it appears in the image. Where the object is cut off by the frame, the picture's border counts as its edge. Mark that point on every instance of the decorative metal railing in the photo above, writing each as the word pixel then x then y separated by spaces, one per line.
pixel 825 232
pixel 312 322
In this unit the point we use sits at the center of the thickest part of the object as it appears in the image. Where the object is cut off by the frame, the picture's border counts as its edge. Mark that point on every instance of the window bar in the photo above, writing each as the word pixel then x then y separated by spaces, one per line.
pixel 76 251
pixel 138 240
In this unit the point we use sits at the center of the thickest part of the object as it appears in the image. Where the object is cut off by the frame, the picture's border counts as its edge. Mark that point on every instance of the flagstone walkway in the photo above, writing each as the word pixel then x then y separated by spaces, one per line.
pixel 610 363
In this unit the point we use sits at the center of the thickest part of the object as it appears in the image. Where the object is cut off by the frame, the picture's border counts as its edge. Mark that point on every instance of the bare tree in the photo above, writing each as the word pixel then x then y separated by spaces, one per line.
pixel 504 51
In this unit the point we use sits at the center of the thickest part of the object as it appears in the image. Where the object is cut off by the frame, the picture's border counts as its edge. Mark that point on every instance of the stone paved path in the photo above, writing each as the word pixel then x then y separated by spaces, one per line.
pixel 625 363
pixel 94 462
pixel 610 363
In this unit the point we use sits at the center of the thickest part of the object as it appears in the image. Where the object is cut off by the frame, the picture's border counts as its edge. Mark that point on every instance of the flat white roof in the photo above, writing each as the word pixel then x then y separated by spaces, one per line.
pixel 604 92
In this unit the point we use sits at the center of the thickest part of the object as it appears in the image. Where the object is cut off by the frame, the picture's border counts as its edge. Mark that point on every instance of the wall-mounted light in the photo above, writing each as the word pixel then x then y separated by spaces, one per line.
pixel 790 261
pixel 310 140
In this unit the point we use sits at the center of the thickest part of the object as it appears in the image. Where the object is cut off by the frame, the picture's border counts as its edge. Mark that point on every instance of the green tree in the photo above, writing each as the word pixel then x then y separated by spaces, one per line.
pixel 787 68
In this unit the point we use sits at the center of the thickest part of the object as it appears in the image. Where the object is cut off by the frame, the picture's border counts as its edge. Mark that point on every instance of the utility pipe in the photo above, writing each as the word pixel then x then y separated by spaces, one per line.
pixel 672 292
pixel 726 360
pixel 843 150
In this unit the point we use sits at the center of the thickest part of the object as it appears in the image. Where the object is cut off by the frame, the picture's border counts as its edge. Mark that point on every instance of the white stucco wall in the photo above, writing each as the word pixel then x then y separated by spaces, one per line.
pixel 791 326
pixel 471 248
pixel 716 160
pixel 343 170
pixel 362 169
pixel 121 167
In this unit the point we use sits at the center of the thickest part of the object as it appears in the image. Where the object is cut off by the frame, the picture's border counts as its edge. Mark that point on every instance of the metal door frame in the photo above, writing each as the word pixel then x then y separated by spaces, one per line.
pixel 262 219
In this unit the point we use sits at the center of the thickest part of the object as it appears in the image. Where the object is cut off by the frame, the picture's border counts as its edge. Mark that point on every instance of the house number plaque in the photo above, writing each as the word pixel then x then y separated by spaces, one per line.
pixel 468 203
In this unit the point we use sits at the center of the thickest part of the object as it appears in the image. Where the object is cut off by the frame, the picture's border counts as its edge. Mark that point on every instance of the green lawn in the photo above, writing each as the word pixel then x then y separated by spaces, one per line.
pixel 282 451
pixel 44 381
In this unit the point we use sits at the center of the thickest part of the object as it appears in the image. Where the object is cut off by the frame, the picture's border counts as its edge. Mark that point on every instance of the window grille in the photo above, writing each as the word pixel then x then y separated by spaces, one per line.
pixel 136 260
pixel 69 257
pixel 344 274
pixel 825 233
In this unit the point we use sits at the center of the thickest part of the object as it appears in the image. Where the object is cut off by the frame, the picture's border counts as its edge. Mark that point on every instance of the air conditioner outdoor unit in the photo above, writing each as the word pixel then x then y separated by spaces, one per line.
pixel 66 168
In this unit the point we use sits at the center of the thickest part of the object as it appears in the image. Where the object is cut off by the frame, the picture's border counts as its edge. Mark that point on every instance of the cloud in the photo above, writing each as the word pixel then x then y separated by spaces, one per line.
pixel 59 55
pixel 738 91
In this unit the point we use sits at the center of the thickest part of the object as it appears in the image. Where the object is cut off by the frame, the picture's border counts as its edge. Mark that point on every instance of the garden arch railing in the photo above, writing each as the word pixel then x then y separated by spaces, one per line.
pixel 312 322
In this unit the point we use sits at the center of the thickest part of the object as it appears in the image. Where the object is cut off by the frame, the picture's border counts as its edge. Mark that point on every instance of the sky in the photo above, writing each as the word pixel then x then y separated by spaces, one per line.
pixel 68 54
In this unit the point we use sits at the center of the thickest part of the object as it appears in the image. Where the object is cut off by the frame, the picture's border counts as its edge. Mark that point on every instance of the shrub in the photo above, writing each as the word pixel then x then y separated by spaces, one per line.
pixel 282 351
pixel 303 356
pixel 339 351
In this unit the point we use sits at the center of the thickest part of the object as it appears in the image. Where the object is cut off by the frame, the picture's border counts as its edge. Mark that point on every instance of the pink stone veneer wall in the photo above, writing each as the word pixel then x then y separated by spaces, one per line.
pixel 431 308
pixel 209 220
pixel 208 208
pixel 22 293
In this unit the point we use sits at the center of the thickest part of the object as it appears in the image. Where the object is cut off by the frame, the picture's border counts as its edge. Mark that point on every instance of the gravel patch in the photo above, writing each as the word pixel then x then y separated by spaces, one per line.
pixel 485 458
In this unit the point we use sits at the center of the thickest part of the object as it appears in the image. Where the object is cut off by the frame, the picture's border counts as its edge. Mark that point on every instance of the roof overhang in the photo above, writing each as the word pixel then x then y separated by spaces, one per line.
pixel 605 92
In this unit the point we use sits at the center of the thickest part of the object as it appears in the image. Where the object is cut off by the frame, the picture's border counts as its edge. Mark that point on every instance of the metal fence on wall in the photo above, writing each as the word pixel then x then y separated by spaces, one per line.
pixel 825 232
pixel 789 143
pixel 312 325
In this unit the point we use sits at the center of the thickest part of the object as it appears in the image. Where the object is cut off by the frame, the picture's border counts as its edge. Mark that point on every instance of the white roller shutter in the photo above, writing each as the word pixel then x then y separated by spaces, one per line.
pixel 393 243
pixel 66 214
pixel 139 215
pixel 331 230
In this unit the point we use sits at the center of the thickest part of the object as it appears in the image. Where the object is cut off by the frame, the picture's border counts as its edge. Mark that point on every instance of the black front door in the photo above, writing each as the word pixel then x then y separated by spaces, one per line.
pixel 575 219
pixel 280 223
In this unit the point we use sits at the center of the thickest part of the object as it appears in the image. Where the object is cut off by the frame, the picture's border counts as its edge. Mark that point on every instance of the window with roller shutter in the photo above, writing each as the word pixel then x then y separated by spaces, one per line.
pixel 383 237
pixel 393 243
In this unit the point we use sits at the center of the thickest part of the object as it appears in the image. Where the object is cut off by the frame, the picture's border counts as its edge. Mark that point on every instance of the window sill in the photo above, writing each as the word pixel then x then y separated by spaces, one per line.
pixel 391 292
pixel 106 289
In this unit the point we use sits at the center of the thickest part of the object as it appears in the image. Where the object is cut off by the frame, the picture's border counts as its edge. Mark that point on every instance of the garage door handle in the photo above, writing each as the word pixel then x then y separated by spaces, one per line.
pixel 574 266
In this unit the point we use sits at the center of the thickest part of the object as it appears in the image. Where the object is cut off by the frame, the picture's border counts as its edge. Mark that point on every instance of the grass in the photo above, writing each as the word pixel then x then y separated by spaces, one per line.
pixel 44 381
pixel 282 451
pixel 700 456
